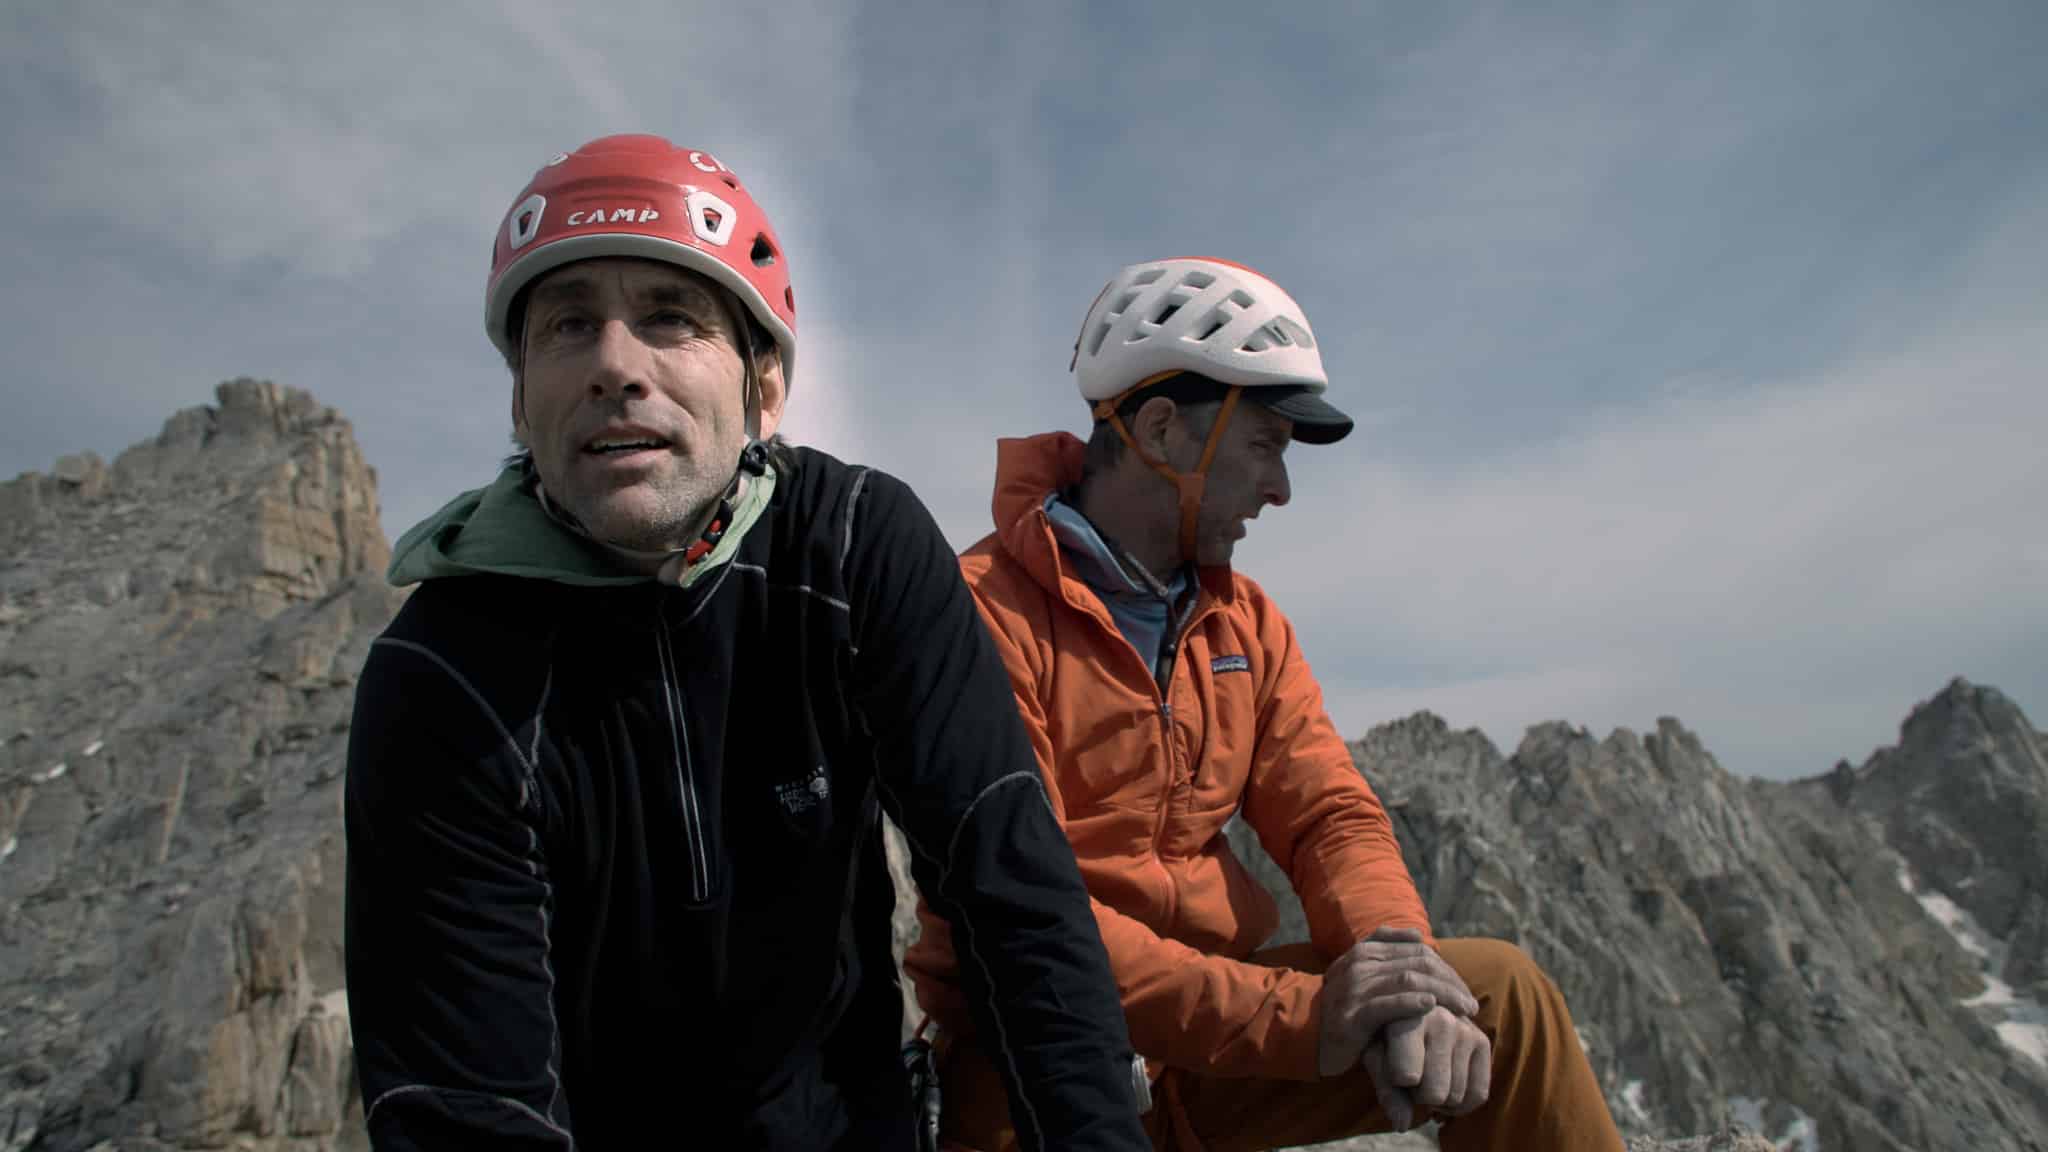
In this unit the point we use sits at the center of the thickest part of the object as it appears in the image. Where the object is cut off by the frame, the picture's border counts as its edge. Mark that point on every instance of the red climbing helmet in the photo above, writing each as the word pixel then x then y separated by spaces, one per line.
pixel 642 196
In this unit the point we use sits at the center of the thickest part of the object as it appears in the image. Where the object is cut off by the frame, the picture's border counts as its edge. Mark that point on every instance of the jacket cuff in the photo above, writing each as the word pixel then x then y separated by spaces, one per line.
pixel 1297 1051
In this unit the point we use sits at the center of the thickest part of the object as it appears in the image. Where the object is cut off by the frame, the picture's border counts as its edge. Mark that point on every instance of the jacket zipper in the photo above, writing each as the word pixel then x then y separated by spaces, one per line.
pixel 1169 745
pixel 1180 634
pixel 679 742
pixel 1164 677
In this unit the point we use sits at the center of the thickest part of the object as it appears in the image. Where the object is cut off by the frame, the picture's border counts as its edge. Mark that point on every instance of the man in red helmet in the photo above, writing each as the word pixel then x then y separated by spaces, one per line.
pixel 1165 693
pixel 615 870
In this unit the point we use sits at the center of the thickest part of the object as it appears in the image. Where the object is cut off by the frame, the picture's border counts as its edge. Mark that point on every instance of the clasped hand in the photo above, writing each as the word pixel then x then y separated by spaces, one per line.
pixel 1396 1006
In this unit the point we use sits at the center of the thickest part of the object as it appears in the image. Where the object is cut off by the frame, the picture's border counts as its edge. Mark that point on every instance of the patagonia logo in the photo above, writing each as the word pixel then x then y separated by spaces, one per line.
pixel 1223 664
pixel 799 797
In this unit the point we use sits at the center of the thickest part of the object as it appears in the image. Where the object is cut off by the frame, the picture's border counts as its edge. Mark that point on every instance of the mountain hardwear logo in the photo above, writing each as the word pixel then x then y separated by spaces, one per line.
pixel 800 796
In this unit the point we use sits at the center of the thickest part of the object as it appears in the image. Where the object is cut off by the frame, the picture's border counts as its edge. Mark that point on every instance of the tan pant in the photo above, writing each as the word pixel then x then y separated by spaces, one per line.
pixel 1543 1097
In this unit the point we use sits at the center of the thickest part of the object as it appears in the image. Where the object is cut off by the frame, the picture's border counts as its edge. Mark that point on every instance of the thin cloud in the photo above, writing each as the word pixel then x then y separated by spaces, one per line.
pixel 554 40
pixel 239 134
pixel 1822 552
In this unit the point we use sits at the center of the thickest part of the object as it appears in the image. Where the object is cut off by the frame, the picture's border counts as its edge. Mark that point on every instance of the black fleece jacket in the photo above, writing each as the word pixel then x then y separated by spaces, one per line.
pixel 615 871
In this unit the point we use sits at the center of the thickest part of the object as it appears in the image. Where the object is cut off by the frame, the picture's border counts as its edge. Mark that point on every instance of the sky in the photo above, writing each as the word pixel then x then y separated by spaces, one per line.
pixel 1698 351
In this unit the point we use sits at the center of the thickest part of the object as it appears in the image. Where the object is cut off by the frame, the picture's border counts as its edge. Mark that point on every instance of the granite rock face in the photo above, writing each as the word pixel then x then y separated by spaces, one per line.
pixel 179 638
pixel 1963 799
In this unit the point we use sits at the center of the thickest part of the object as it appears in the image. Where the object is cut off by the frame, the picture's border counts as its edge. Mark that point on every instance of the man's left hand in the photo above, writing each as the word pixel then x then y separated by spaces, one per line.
pixel 1434 963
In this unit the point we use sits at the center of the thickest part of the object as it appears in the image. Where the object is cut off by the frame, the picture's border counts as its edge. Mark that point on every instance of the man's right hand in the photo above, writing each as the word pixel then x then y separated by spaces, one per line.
pixel 1437 1061
pixel 1390 975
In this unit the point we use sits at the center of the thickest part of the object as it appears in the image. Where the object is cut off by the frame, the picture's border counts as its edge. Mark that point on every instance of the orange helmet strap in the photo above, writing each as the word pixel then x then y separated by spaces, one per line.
pixel 1189 485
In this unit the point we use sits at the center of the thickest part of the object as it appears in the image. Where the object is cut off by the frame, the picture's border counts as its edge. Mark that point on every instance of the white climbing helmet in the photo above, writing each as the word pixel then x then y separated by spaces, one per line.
pixel 1214 318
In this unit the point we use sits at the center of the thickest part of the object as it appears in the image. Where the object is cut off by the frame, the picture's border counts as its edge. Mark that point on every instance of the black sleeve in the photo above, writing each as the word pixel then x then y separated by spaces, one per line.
pixel 959 777
pixel 446 938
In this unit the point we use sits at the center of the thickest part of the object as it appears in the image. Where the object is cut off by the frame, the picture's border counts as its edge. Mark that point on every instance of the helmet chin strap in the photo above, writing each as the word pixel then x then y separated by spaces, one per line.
pixel 1188 484
pixel 753 458
pixel 752 397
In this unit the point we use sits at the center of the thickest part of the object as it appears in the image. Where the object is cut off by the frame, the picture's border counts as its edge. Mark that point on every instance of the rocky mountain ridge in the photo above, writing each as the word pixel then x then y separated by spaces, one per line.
pixel 179 636
pixel 180 633
pixel 1844 962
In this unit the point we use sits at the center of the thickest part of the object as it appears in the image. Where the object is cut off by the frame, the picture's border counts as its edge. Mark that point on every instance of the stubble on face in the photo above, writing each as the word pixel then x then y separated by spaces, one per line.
pixel 1240 475
pixel 631 399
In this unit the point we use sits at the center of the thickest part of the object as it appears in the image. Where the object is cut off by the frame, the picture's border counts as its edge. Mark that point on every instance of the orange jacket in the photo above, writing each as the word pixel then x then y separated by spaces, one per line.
pixel 1144 786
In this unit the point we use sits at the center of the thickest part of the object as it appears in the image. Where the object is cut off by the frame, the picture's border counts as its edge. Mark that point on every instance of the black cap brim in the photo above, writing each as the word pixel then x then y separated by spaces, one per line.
pixel 1316 420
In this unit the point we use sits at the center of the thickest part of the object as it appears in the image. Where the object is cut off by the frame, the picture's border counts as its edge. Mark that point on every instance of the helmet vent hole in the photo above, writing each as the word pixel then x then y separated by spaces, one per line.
pixel 712 219
pixel 1197 279
pixel 1180 296
pixel 789 299
pixel 1227 310
pixel 1096 338
pixel 731 181
pixel 525 222
pixel 1146 277
pixel 1123 304
pixel 764 252
pixel 1292 333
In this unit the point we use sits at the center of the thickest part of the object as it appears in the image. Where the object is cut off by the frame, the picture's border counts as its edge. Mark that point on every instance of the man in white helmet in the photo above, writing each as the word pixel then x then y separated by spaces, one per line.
pixel 616 771
pixel 1164 693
